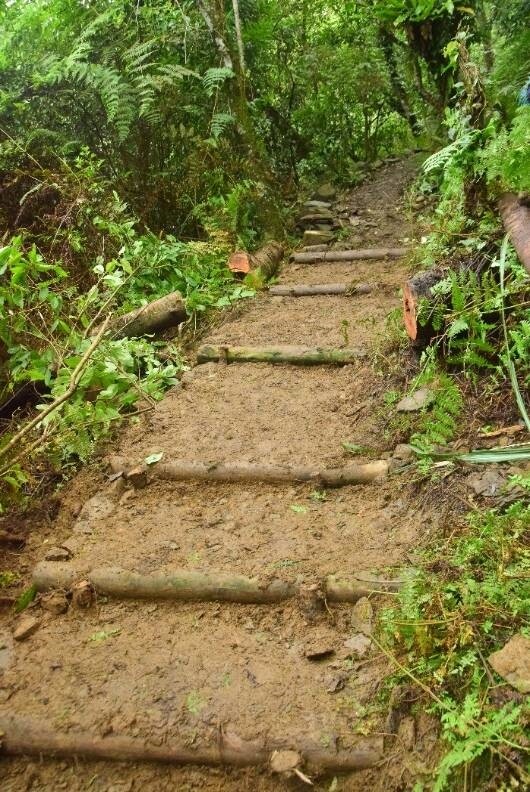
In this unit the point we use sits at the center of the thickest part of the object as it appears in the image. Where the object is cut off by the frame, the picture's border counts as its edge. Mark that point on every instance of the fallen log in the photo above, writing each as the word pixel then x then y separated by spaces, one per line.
pixel 349 255
pixel 168 311
pixel 294 355
pixel 516 218
pixel 323 288
pixel 268 259
pixel 181 470
pixel 192 586
pixel 24 737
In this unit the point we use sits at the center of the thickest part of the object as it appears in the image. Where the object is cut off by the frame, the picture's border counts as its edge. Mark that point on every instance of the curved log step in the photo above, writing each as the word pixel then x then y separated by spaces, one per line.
pixel 186 586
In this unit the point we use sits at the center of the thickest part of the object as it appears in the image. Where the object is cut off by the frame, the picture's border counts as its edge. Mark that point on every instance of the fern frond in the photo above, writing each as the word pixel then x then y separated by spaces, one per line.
pixel 214 78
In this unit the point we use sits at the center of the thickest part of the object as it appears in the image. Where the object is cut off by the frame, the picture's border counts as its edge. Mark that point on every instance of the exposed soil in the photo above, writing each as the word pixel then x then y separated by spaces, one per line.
pixel 179 672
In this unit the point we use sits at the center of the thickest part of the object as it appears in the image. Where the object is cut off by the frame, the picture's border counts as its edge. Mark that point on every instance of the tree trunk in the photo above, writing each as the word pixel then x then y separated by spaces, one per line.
pixel 268 259
pixel 167 311
pixel 294 355
pixel 418 288
pixel 179 470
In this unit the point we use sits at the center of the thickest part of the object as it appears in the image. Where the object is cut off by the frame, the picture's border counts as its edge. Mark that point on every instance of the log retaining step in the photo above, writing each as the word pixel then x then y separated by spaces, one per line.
pixel 302 290
pixel 192 586
pixel 350 255
pixel 183 470
pixel 293 355
pixel 26 737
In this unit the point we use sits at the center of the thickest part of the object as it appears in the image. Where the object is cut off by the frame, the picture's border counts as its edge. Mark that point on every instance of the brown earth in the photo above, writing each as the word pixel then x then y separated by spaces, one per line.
pixel 181 672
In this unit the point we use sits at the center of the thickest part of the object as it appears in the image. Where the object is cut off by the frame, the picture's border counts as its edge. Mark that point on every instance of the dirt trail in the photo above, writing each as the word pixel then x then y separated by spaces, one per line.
pixel 181 672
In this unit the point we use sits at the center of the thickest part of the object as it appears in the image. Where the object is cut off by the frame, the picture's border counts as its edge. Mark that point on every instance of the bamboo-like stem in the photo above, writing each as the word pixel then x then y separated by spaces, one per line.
pixel 303 290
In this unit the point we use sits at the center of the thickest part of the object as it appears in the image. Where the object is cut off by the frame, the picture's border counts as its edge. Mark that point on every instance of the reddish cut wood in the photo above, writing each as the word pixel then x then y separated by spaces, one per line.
pixel 516 218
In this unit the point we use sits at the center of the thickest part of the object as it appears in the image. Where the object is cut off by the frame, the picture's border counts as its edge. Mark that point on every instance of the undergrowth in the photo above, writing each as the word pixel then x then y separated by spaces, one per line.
pixel 468 597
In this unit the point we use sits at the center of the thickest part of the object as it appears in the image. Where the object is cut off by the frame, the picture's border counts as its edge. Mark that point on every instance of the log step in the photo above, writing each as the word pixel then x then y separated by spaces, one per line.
pixel 293 355
pixel 182 470
pixel 350 255
pixel 322 288
pixel 27 737
pixel 183 585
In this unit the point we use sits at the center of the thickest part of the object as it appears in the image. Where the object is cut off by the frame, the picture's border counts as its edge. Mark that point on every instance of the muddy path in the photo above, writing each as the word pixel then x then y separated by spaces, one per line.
pixel 296 673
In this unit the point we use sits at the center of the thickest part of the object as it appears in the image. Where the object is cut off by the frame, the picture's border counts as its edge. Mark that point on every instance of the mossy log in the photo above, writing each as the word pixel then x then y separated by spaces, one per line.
pixel 349 255
pixel 24 737
pixel 323 288
pixel 516 218
pixel 168 311
pixel 181 470
pixel 194 586
pixel 268 259
pixel 294 355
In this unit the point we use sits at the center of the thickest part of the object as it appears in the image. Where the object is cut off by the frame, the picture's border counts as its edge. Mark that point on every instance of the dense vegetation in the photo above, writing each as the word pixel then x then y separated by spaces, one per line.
pixel 141 143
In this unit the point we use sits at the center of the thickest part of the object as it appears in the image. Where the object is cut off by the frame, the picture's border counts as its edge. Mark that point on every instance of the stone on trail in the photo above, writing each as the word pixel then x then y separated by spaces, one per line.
pixel 317 205
pixel 362 616
pixel 512 662
pixel 26 626
pixel 284 761
pixel 317 237
pixel 359 645
pixel 326 192
pixel 58 554
pixel 419 399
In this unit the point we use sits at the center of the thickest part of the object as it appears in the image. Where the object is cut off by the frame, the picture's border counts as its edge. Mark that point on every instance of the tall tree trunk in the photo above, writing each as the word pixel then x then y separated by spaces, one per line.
pixel 239 37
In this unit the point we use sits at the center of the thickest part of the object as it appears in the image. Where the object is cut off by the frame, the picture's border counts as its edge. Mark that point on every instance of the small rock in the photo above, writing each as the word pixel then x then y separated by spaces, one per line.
pixel 97 508
pixel 407 733
pixel 419 399
pixel 55 603
pixel 83 594
pixel 359 645
pixel 57 554
pixel 362 616
pixel 326 192
pixel 26 627
pixel 488 484
pixel 337 683
pixel 319 651
pixel 317 237
pixel 403 452
pixel 284 761
pixel 137 477
pixel 512 662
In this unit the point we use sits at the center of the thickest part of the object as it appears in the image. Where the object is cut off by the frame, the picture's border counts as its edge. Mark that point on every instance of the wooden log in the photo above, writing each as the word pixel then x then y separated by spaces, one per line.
pixel 294 355
pixel 178 585
pixel 167 311
pixel 323 288
pixel 24 737
pixel 268 259
pixel 181 470
pixel 193 586
pixel 349 255
pixel 516 218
